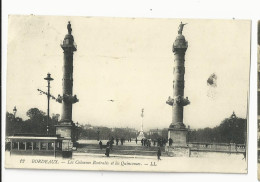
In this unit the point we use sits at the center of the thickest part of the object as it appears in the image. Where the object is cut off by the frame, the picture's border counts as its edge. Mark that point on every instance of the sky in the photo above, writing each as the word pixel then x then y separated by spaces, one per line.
pixel 130 61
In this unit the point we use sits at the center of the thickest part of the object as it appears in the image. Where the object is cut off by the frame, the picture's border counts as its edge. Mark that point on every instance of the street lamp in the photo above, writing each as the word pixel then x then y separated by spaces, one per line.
pixel 48 78
pixel 14 110
pixel 233 119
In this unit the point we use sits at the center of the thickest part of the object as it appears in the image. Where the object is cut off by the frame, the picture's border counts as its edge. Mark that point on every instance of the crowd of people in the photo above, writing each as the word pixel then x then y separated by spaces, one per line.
pixel 159 142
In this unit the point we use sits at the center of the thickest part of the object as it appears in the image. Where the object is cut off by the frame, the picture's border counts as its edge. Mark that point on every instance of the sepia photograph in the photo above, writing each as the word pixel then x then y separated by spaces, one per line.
pixel 127 94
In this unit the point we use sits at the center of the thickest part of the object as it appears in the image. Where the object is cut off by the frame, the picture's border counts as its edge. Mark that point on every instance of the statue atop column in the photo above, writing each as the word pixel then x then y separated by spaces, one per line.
pixel 69 28
pixel 181 28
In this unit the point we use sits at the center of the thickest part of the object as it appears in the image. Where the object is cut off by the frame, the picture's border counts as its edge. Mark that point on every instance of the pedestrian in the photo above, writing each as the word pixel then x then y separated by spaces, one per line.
pixel 136 140
pixel 107 151
pixel 159 153
pixel 117 140
pixel 145 141
pixel 170 142
pixel 100 144
pixel 122 141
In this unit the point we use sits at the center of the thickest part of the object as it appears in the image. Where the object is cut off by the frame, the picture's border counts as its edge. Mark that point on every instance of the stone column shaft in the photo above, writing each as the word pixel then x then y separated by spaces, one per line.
pixel 178 86
pixel 178 101
pixel 67 84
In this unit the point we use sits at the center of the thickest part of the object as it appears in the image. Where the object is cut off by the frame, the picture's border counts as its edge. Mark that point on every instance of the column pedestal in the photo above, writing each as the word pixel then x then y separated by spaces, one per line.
pixel 66 132
pixel 179 147
pixel 141 136
pixel 178 135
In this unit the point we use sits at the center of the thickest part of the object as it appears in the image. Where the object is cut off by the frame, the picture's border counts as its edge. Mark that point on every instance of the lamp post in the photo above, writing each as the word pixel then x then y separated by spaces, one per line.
pixel 14 111
pixel 48 78
pixel 233 122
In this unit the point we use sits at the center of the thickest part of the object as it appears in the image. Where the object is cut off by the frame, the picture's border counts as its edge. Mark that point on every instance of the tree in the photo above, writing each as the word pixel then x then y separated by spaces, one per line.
pixel 33 113
pixel 231 130
pixel 13 125
pixel 37 124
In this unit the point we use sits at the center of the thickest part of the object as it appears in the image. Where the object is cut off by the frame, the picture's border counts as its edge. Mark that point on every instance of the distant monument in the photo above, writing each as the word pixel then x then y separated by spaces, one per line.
pixel 177 130
pixel 66 127
pixel 141 134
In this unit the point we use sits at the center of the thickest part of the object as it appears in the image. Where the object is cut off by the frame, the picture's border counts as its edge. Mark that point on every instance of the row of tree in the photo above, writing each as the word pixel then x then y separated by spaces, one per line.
pixel 106 133
pixel 36 124
pixel 126 133
pixel 231 130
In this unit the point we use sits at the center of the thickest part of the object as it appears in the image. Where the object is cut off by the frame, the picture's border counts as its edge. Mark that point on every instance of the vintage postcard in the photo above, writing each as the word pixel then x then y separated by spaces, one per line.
pixel 127 94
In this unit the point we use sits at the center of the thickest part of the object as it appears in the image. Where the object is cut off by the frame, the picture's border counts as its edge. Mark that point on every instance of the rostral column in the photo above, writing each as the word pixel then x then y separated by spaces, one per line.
pixel 66 127
pixel 177 130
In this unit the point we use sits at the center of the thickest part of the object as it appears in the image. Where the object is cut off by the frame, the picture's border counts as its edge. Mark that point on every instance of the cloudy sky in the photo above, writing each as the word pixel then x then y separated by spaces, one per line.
pixel 130 61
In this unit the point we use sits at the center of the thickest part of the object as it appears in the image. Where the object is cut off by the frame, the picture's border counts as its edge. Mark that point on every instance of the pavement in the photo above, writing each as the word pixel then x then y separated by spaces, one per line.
pixel 206 162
